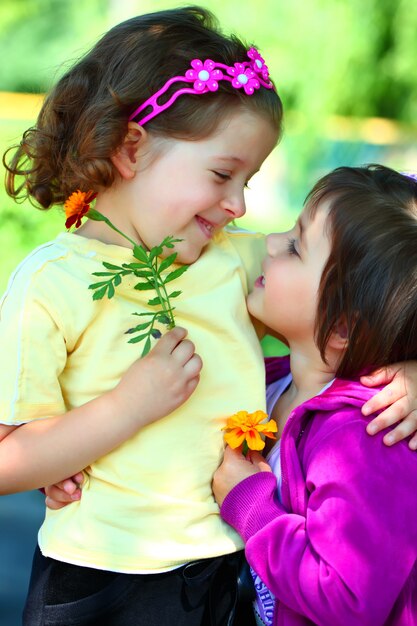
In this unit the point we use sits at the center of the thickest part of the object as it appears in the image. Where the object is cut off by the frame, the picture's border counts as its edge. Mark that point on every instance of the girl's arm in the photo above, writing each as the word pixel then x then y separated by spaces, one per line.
pixel 399 398
pixel 45 451
pixel 345 556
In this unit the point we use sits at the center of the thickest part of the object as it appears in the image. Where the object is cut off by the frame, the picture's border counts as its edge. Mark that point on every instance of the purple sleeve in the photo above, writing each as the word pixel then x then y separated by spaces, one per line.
pixel 348 557
pixel 252 504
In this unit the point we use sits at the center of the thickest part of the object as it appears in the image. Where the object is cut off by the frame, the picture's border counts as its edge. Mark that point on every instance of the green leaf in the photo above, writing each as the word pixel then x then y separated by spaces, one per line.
pixel 138 338
pixel 134 266
pixel 110 266
pixel 100 293
pixel 140 253
pixel 176 273
pixel 137 328
pixel 144 286
pixel 156 251
pixel 147 347
pixel 175 294
pixel 147 313
pixel 97 285
pixel 143 273
pixel 154 301
pixel 167 262
pixel 169 241
pixel 117 280
pixel 103 273
pixel 110 292
pixel 163 319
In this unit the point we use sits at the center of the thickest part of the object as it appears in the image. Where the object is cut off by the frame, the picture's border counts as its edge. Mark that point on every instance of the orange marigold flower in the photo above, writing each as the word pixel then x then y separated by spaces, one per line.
pixel 246 427
pixel 76 206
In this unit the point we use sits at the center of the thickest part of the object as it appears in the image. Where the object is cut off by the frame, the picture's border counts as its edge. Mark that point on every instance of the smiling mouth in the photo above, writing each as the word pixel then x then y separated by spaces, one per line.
pixel 207 227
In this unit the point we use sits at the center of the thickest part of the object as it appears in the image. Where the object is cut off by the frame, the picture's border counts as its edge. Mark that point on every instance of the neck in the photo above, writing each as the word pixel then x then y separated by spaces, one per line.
pixel 107 202
pixel 309 372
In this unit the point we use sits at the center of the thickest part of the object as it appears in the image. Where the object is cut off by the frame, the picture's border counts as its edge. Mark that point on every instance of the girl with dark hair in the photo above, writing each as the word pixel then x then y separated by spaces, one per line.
pixel 331 537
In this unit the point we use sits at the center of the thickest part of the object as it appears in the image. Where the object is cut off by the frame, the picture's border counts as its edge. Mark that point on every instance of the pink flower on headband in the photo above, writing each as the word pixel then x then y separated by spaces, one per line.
pixel 204 75
pixel 258 63
pixel 244 77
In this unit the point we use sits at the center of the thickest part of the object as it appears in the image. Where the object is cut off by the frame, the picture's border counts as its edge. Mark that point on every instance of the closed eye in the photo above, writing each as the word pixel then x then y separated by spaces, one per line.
pixel 222 175
pixel 291 247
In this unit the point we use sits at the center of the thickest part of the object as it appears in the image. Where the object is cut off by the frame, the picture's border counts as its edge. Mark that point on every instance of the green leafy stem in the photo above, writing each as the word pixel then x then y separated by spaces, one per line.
pixel 148 267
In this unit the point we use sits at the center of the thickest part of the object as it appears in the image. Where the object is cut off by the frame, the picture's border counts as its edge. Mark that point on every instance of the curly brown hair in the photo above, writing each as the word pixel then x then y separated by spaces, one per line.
pixel 84 119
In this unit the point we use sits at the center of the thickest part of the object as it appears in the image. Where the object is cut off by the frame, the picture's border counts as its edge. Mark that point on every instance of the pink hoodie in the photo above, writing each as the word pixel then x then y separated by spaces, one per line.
pixel 341 550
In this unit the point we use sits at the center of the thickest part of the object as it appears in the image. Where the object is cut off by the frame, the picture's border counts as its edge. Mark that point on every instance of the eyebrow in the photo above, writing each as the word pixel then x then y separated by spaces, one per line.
pixel 229 158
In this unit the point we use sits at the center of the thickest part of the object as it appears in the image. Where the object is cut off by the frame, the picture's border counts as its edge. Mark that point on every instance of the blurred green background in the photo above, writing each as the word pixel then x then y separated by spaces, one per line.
pixel 345 70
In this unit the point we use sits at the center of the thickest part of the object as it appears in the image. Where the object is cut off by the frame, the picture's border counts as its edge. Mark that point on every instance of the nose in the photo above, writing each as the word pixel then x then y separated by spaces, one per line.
pixel 234 205
pixel 273 243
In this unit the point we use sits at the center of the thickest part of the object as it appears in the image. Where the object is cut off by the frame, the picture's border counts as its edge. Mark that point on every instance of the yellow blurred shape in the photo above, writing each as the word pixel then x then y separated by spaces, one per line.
pixel 19 106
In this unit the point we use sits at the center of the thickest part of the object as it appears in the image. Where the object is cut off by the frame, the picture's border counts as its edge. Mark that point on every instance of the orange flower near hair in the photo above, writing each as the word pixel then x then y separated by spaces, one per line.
pixel 245 428
pixel 76 206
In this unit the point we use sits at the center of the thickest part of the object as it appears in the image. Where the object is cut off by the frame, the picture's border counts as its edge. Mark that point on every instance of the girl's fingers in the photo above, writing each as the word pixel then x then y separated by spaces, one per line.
pixel 406 428
pixel 381 376
pixel 385 398
pixel 169 341
pixel 412 444
pixel 193 367
pixel 393 414
pixel 57 497
pixel 184 351
pixel 54 505
pixel 258 460
pixel 78 479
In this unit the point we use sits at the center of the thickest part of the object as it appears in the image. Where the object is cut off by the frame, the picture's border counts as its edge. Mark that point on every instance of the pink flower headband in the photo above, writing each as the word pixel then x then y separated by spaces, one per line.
pixel 205 76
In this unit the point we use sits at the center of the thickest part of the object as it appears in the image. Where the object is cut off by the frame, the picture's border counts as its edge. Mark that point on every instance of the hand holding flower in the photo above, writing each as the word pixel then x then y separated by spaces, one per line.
pixel 235 468
pixel 171 365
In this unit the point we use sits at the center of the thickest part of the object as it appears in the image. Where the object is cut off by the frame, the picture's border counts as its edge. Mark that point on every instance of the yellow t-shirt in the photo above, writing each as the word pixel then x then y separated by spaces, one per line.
pixel 147 506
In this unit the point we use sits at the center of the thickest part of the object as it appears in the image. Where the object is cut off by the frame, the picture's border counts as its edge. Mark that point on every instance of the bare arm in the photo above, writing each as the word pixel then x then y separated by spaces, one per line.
pixel 46 451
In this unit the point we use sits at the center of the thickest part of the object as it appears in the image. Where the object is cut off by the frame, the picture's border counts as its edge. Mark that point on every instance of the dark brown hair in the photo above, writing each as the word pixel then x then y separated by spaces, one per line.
pixel 84 118
pixel 369 283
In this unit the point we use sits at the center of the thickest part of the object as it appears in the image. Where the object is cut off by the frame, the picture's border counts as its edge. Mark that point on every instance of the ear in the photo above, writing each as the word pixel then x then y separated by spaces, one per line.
pixel 125 157
pixel 339 339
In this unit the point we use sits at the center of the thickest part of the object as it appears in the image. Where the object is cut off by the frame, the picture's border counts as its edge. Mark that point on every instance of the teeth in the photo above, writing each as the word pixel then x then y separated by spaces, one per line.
pixel 207 224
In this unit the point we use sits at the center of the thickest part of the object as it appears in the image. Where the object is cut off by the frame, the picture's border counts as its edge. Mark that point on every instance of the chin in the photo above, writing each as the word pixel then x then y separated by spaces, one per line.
pixel 188 257
pixel 251 304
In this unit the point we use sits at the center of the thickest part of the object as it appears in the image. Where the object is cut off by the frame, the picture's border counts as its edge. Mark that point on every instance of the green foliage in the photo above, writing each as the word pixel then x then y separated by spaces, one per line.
pixel 149 268
pixel 344 57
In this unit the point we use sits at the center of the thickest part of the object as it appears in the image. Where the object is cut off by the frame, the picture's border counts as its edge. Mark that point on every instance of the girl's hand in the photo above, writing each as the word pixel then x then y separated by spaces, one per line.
pixel 64 492
pixel 151 388
pixel 235 468
pixel 400 399
pixel 162 381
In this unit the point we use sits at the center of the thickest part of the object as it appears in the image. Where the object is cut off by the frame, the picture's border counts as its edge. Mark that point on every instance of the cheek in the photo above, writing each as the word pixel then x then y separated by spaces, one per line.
pixel 288 291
